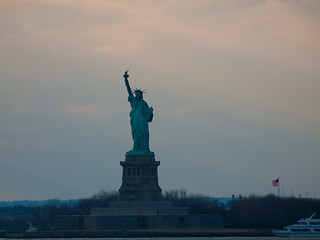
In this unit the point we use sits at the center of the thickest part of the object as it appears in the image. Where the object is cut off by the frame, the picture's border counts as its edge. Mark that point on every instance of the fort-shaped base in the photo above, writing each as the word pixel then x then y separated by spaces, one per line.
pixel 89 222
pixel 139 209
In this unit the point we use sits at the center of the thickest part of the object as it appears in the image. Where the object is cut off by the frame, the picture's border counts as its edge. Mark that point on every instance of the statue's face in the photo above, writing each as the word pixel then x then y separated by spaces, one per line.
pixel 138 95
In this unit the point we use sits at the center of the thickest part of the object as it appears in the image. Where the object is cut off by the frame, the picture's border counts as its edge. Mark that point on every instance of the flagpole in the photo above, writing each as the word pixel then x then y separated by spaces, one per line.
pixel 276 183
pixel 278 187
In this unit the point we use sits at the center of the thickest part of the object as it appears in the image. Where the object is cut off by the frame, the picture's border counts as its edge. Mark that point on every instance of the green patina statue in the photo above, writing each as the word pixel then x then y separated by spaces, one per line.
pixel 141 114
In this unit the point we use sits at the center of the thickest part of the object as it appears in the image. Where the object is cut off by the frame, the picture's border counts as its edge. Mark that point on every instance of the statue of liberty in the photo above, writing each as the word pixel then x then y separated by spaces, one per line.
pixel 140 115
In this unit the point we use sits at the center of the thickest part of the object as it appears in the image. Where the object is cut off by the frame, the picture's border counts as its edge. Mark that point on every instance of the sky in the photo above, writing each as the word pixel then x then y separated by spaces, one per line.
pixel 235 87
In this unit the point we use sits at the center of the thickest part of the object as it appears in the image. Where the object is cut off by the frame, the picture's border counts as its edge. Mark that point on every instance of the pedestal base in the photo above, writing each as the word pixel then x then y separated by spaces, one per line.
pixel 140 179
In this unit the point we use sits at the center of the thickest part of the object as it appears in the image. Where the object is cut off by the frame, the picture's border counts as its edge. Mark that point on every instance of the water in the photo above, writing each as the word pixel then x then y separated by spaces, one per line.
pixel 173 238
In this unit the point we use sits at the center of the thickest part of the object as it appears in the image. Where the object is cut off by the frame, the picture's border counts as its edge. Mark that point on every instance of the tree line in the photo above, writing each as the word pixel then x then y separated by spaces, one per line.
pixel 267 211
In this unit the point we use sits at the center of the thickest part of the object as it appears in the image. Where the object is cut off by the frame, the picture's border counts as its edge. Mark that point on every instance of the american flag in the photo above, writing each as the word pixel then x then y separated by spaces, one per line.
pixel 275 183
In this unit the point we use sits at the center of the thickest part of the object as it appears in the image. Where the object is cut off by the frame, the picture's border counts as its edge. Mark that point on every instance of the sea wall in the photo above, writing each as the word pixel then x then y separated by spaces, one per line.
pixel 225 232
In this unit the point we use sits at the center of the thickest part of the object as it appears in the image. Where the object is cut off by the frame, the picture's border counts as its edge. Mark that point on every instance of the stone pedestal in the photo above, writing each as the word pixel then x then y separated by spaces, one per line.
pixel 140 179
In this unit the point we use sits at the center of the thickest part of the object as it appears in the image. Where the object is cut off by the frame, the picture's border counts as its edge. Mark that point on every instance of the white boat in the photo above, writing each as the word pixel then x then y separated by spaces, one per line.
pixel 305 228
pixel 32 228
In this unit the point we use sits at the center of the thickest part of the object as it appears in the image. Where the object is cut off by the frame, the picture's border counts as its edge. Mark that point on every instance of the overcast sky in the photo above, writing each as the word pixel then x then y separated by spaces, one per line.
pixel 235 87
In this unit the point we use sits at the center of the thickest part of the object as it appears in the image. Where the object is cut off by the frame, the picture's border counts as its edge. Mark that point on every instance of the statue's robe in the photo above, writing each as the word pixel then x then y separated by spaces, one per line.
pixel 140 115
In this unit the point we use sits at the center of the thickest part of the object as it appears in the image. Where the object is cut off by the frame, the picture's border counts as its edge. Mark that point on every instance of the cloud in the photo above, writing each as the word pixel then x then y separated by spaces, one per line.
pixel 4 144
pixel 52 51
pixel 127 46
pixel 90 110
pixel 29 27
pixel 131 26
pixel 182 110
pixel 21 107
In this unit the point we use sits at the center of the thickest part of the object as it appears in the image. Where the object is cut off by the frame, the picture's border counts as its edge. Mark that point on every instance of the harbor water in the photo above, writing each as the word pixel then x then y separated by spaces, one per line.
pixel 179 238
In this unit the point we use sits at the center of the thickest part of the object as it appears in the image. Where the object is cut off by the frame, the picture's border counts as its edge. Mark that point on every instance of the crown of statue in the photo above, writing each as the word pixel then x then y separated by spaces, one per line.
pixel 136 90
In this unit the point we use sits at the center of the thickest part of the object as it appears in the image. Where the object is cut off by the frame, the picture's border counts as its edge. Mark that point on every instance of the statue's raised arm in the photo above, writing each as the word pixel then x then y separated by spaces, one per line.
pixel 126 75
